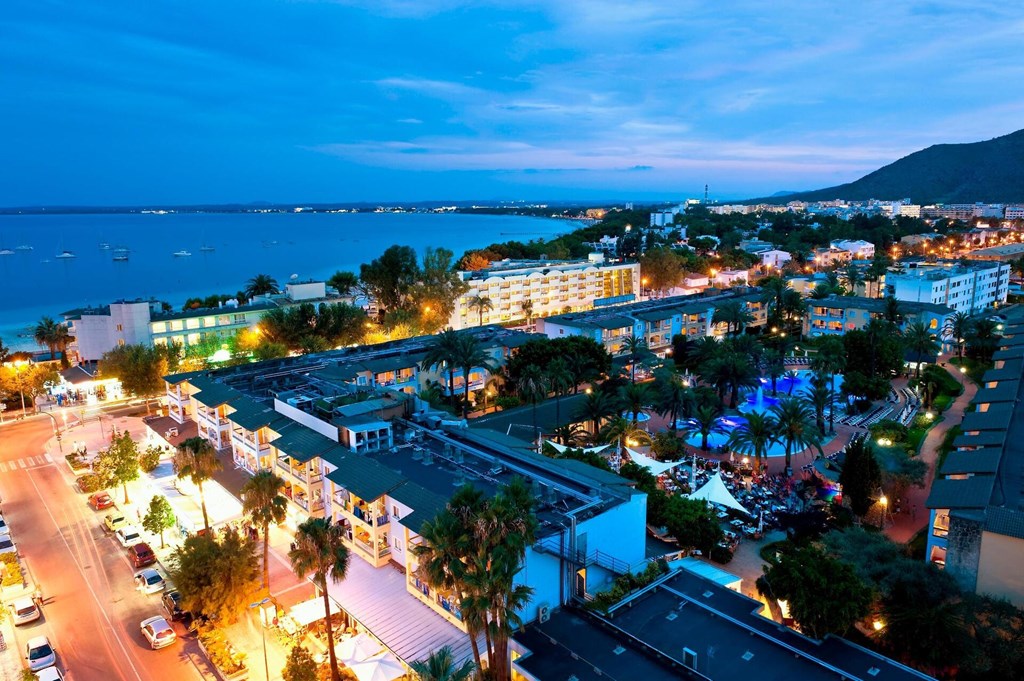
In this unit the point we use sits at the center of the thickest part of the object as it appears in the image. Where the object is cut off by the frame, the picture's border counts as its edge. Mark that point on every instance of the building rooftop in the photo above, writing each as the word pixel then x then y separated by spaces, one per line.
pixel 210 311
pixel 652 310
pixel 876 305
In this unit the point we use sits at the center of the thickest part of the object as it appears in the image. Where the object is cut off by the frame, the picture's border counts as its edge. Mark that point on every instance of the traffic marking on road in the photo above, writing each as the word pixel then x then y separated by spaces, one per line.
pixel 3 467
pixel 21 462
pixel 49 458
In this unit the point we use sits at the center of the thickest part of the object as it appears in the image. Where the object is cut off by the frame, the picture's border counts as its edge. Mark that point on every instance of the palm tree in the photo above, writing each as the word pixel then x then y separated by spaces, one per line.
pixel 319 549
pixel 620 429
pixel 532 386
pixel 264 504
pixel 55 337
pixel 706 422
pixel 559 380
pixel 755 437
pixel 819 395
pixel 442 353
pixel 481 304
pixel 582 369
pixel 795 427
pixel 774 366
pixel 892 312
pixel 920 341
pixel 440 666
pixel 259 285
pixel 197 460
pixel 734 314
pixel 597 407
pixel 671 395
pixel 634 346
pixel 570 435
pixel 527 307
pixel 958 328
pixel 831 359
pixel 633 398
pixel 469 354
pixel 343 282
pixel 853 277
pixel 793 377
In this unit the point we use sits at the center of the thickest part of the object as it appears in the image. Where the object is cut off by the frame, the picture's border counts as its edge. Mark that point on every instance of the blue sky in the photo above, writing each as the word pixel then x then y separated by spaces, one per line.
pixel 134 102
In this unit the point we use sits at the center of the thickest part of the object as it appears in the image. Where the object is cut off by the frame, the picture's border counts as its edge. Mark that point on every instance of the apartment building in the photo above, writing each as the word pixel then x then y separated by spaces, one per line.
pixel 964 288
pixel 835 315
pixel 656 321
pixel 976 525
pixel 858 249
pixel 540 288
pixel 144 322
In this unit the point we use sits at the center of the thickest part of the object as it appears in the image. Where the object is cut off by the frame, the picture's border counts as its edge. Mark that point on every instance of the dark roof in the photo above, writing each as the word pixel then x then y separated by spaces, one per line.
pixel 1006 521
pixel 365 477
pixel 996 418
pixel 302 443
pixel 972 492
pixel 211 311
pixel 216 395
pixel 984 438
pixel 657 315
pixel 250 414
pixel 80 373
pixel 425 504
pixel 1012 369
pixel 877 305
pixel 1006 391
pixel 612 323
pixel 341 371
pixel 395 363
pixel 983 461
pixel 175 379
pixel 1015 352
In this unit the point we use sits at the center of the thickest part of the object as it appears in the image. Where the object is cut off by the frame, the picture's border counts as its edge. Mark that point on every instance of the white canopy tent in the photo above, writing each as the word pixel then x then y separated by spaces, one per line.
pixel 653 465
pixel 384 667
pixel 715 492
pixel 310 611
pixel 561 449
pixel 357 648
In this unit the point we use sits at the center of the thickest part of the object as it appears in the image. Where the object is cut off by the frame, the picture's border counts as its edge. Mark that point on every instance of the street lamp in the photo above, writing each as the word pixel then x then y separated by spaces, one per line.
pixel 263 636
pixel 21 383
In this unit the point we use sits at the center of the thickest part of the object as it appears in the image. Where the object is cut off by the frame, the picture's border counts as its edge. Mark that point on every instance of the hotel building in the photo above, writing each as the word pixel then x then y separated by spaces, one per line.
pixel 551 287
pixel 964 288
pixel 835 315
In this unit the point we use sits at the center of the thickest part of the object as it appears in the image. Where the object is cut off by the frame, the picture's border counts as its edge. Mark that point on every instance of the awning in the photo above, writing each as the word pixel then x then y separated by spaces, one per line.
pixel 653 465
pixel 714 491
pixel 381 668
pixel 310 611
pixel 562 449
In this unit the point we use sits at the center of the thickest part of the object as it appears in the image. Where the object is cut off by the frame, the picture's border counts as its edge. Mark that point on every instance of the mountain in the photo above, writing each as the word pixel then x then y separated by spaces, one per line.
pixel 990 171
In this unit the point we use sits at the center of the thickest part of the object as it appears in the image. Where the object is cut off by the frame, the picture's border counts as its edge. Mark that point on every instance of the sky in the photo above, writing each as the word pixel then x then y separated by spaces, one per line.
pixel 218 101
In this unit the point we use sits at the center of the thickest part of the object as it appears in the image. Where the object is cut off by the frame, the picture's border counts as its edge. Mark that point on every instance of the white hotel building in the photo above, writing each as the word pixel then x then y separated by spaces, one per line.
pixel 553 287
pixel 969 289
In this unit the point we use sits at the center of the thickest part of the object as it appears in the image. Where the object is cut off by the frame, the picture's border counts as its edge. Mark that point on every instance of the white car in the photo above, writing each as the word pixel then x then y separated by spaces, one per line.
pixel 158 632
pixel 39 653
pixel 129 535
pixel 7 544
pixel 49 674
pixel 149 581
pixel 24 610
pixel 4 527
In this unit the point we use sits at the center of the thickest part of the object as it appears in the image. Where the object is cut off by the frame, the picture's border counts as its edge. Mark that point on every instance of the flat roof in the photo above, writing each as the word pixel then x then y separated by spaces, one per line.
pixel 250 414
pixel 366 478
pixel 303 443
pixel 979 461
pixel 972 492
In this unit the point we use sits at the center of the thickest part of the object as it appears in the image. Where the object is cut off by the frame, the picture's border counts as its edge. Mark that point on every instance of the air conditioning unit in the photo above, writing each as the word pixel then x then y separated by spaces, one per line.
pixel 543 613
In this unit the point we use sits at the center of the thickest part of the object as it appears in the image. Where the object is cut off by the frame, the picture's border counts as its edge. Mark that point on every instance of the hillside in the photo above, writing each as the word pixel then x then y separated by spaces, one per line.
pixel 990 171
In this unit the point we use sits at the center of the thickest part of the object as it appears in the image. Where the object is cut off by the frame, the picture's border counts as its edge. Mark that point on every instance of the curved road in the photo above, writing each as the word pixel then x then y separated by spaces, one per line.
pixel 92 612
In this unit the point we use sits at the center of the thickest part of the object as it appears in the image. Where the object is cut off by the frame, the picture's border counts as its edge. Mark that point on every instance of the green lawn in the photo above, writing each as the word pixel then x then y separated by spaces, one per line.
pixel 975 369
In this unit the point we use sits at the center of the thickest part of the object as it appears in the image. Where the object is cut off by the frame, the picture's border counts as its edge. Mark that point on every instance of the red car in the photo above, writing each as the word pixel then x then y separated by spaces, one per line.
pixel 100 501
pixel 141 555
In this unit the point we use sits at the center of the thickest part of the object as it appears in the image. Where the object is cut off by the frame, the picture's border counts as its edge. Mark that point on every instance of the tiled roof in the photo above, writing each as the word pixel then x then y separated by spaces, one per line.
pixel 396 363
pixel 612 323
pixel 1006 521
pixel 302 443
pixel 996 418
pixel 983 461
pixel 973 492
pixel 984 438
pixel 250 414
pixel 216 395
pixel 425 504
pixel 365 477
pixel 175 379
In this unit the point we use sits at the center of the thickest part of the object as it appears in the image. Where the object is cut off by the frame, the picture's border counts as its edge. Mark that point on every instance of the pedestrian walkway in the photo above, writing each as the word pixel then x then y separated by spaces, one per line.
pixel 10 654
pixel 26 462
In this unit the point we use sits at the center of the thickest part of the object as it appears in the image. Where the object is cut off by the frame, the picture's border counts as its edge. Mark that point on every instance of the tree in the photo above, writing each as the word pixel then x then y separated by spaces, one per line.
pixel 734 314
pixel 55 337
pixel 389 279
pixel 662 268
pixel 532 386
pixel 982 341
pixel 343 282
pixel 5 352
pixel 920 341
pixel 139 368
pixel 892 312
pixel 260 285
pixel 596 408
pixel 469 355
pixel 705 422
pixel 26 380
pixel 434 294
pixel 300 665
pixel 633 398
pixel 587 358
pixel 217 575
pixel 320 551
pixel 825 596
pixel 442 352
pixel 159 517
pixel 671 396
pixel 119 463
pixel 197 460
pixel 440 666
pixel 755 437
pixel 957 329
pixel 150 458
pixel 264 505
pixel 861 476
pixel 527 308
pixel 831 359
pixel 693 523
pixel 560 380
pixel 819 395
pixel 795 429
pixel 481 304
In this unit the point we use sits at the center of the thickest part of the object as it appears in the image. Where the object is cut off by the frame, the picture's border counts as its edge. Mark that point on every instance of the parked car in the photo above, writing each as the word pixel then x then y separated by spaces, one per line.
pixel 141 555
pixel 129 535
pixel 149 581
pixel 4 529
pixel 39 653
pixel 100 501
pixel 114 521
pixel 7 544
pixel 24 610
pixel 171 601
pixel 158 631
pixel 49 674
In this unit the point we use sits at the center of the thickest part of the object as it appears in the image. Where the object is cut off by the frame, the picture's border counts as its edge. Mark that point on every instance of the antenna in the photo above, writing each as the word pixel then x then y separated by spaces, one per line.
pixel 705 195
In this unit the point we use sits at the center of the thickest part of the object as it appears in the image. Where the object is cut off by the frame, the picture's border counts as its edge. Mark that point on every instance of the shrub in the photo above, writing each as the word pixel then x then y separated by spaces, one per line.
pixel 12 573
pixel 150 459
pixel 507 401
pixel 76 461
pixel 892 430
pixel 221 653
pixel 626 584
pixel 720 554
pixel 90 482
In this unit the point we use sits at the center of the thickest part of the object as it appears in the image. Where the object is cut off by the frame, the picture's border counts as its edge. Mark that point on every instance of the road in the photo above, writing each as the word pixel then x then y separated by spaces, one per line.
pixel 92 611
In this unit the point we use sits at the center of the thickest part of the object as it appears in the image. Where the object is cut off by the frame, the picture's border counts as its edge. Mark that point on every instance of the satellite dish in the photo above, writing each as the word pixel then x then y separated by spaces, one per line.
pixel 294 276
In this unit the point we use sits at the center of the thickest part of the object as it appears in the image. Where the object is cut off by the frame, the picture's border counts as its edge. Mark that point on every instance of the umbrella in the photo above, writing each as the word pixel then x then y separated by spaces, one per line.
pixel 356 649
pixel 383 667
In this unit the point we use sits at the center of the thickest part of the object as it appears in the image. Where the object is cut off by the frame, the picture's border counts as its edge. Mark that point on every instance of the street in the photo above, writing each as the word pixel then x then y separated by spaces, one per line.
pixel 91 611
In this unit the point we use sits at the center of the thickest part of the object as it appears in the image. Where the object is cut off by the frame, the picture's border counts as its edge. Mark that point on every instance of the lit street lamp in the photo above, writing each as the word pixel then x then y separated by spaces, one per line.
pixel 263 635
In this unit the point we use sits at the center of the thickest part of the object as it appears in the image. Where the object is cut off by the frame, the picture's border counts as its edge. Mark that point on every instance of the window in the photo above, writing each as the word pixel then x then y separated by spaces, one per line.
pixel 192 323
pixel 119 327
pixel 120 342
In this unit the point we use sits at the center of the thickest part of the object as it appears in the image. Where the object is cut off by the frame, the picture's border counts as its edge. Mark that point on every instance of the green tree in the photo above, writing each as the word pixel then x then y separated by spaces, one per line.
pixel 300 665
pixel 734 314
pixel 831 360
pixel 343 282
pixel 819 396
pixel 671 396
pixel 597 407
pixel 437 289
pixel 662 268
pixel 320 551
pixel 55 337
pixel 442 353
pixel 693 523
pixel 983 340
pixel 957 329
pixel 705 422
pixel 587 358
pixel 159 517
pixel 825 596
pixel 920 341
pixel 469 355
pixel 634 347
pixel 559 378
pixel 150 458
pixel 532 387
pixel 481 304
pixel 139 368
pixel 196 459
pixel 755 437
pixel 217 575
pixel 526 306
pixel 795 427
pixel 119 463
pixel 861 476
pixel 440 666
pixel 390 278
pixel 260 285
pixel 633 398
pixel 263 504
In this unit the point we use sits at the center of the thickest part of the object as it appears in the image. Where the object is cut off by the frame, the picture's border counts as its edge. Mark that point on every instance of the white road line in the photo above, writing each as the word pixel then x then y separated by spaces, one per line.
pixel 49 458
pixel 21 462
pixel 3 467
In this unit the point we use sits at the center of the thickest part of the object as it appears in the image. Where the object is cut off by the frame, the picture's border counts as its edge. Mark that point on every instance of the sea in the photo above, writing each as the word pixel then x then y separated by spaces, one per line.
pixel 225 251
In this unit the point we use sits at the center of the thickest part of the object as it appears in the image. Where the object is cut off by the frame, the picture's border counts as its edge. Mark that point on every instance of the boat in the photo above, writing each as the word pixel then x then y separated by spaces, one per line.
pixel 6 251
pixel 207 249
pixel 120 255
pixel 23 247
pixel 65 255
pixel 104 246
pixel 181 254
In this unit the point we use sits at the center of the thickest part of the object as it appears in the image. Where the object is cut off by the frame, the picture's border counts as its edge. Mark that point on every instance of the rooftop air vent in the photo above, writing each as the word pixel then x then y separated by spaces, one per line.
pixel 618 650
pixel 747 656
pixel 874 671
pixel 671 616
pixel 708 594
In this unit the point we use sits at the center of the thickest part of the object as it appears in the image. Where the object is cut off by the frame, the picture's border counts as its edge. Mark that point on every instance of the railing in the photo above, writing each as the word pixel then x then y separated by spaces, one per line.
pixel 301 501
pixel 318 504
